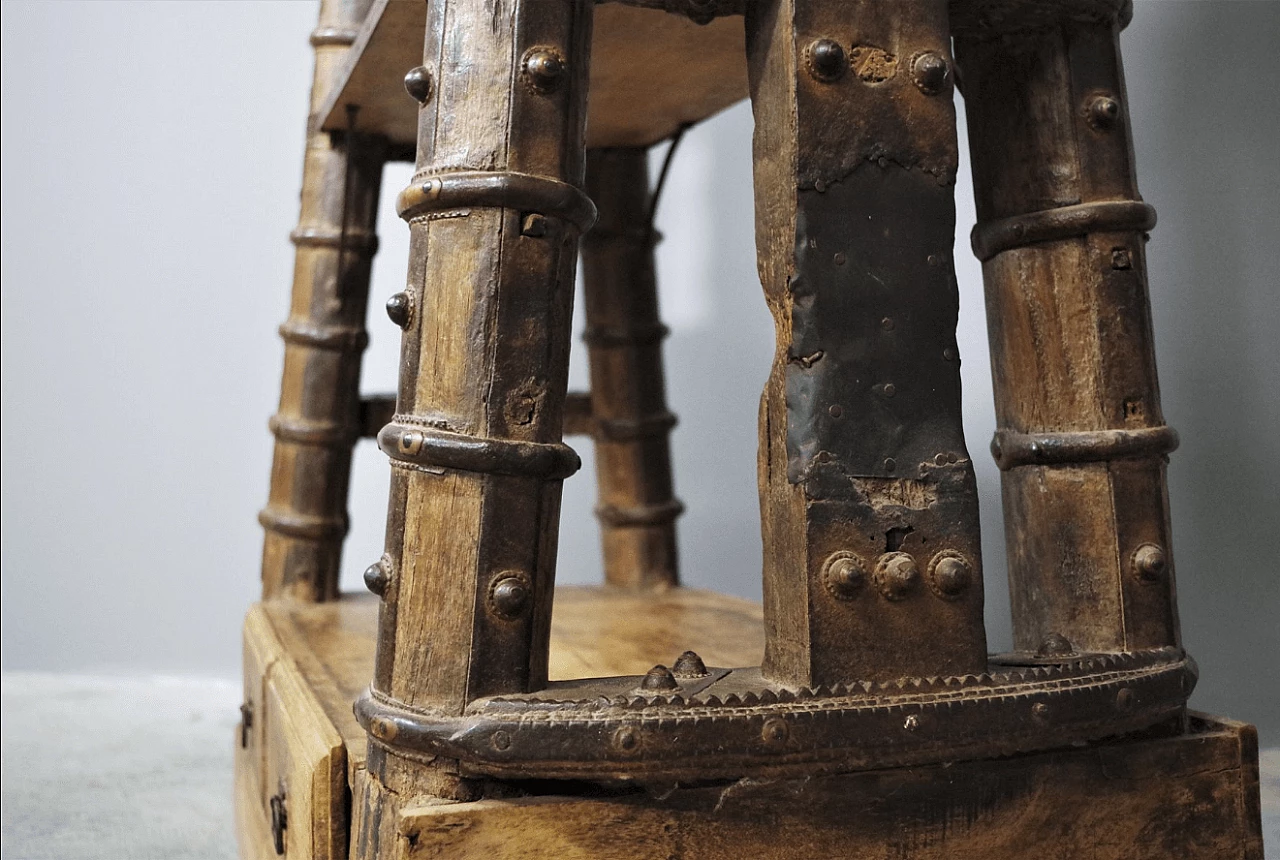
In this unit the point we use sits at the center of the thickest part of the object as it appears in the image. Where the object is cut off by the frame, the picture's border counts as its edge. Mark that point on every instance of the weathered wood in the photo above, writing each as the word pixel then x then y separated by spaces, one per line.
pixel 630 423
pixel 625 724
pixel 872 565
pixel 1186 797
pixel 318 419
pixel 1061 235
pixel 290 752
pixel 654 73
pixel 326 651
pixel 475 444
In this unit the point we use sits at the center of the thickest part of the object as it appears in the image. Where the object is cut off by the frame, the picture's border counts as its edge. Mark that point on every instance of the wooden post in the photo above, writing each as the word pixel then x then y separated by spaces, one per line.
pixel 629 418
pixel 318 420
pixel 872 563
pixel 1081 437
pixel 495 211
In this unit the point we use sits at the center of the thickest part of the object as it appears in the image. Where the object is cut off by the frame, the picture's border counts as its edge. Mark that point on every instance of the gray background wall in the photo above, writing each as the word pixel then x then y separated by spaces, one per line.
pixel 151 157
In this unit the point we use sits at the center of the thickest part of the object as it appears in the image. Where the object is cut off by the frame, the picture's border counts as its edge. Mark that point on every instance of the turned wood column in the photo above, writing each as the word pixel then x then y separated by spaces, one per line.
pixel 630 422
pixel 1061 231
pixel 318 420
pixel 872 565
pixel 495 210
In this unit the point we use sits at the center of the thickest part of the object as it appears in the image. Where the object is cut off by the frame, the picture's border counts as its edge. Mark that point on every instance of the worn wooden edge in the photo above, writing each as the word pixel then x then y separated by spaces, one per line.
pixel 299 708
pixel 635 97
pixel 253 833
pixel 280 631
pixel 317 766
pixel 1250 777
pixel 1154 798
pixel 330 645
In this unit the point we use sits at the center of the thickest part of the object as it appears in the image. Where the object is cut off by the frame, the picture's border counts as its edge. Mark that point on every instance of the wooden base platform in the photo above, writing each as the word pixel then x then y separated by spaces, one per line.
pixel 1193 794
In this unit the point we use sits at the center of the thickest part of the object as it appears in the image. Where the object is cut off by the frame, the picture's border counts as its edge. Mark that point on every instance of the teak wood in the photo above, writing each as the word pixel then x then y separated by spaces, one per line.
pixel 470 708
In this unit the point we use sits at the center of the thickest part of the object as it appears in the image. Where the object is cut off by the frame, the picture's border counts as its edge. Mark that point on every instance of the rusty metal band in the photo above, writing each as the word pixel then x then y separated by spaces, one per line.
pixel 497 189
pixel 339 338
pixel 355 241
pixel 630 429
pixel 305 431
pixel 633 516
pixel 1064 222
pixel 322 36
pixel 303 526
pixel 429 446
pixel 1012 449
pixel 635 335
pixel 607 728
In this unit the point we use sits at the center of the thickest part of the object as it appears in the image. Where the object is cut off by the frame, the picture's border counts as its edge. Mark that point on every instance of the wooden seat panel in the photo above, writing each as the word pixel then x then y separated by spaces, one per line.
pixel 651 73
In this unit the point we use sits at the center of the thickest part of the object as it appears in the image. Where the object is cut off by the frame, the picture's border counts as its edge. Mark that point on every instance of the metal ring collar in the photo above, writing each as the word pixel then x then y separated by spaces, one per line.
pixel 430 446
pixel 1012 449
pixel 1064 222
pixel 497 189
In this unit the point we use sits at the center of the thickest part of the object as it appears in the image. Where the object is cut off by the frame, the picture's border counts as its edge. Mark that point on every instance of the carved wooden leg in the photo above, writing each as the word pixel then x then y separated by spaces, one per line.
pixel 630 421
pixel 495 212
pixel 318 420
pixel 872 566
pixel 1081 437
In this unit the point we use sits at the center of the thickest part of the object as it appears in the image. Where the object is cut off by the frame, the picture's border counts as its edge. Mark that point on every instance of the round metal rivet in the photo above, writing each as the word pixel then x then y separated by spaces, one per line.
pixel 843 574
pixel 1104 112
pixel 911 723
pixel 834 410
pixel 400 309
pixel 543 68
pixel 626 739
pixel 1055 645
pixel 826 60
pixel 895 575
pixel 890 464
pixel 383 729
pixel 890 389
pixel 1040 712
pixel 689 665
pixel 930 71
pixel 887 324
pixel 950 574
pixel 1149 563
pixel 840 258
pixel 659 678
pixel 775 731
pixel 418 84
pixel 376 577
pixel 509 595
pixel 501 740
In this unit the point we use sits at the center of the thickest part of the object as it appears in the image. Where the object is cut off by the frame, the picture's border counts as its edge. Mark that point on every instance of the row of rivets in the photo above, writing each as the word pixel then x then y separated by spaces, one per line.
pixel 827 61
pixel 542 69
pixel 688 667
pixel 949 574
pixel 776 730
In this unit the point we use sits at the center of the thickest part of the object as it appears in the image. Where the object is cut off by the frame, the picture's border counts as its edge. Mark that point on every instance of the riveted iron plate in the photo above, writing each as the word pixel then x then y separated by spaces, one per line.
pixel 873 326
pixel 732 723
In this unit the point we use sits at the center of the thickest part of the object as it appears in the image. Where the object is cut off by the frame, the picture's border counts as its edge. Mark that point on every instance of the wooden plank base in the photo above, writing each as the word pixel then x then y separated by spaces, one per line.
pixel 1193 795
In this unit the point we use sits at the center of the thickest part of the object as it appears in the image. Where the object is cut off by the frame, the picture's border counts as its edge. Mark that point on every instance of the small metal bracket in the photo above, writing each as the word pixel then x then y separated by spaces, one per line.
pixel 246 723
pixel 279 819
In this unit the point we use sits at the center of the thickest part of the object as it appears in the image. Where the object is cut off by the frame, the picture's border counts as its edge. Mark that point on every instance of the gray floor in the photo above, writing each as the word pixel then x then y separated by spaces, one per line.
pixel 140 769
